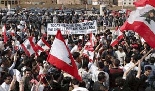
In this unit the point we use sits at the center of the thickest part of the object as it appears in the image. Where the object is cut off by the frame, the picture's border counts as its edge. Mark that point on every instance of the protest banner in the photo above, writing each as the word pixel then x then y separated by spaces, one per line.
pixel 74 28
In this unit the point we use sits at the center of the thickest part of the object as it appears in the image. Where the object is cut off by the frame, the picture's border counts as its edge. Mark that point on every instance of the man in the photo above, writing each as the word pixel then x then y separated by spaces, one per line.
pixel 75 48
pixel 100 69
pixel 143 79
pixel 7 81
pixel 120 54
pixel 77 59
pixel 130 62
pixel 76 87
pixel 98 85
pixel 26 79
pixel 115 72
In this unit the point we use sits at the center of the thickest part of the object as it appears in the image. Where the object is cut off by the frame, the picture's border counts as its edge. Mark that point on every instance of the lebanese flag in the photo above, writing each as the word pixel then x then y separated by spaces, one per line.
pixel 142 21
pixel 43 45
pixel 61 57
pixel 89 51
pixel 117 36
pixel 4 34
pixel 29 46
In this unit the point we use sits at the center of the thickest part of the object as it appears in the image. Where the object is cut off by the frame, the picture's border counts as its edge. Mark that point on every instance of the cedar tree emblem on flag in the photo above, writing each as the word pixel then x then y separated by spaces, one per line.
pixel 42 44
pixel 115 36
pixel 28 46
pixel 150 15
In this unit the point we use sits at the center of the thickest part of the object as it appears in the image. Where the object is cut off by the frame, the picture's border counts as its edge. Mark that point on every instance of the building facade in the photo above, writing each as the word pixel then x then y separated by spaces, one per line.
pixel 126 2
pixel 9 2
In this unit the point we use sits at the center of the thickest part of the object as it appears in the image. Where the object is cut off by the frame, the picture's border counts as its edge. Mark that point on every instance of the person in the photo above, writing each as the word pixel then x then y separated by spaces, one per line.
pixel 75 47
pixel 143 82
pixel 115 72
pixel 130 62
pixel 26 79
pixel 120 54
pixel 7 81
pixel 57 77
pixel 100 69
pixel 76 56
pixel 75 84
pixel 84 72
pixel 98 85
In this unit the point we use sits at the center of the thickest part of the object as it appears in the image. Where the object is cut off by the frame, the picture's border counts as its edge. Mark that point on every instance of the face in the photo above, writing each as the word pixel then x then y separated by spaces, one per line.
pixel 151 14
pixel 28 73
pixel 148 72
pixel 8 80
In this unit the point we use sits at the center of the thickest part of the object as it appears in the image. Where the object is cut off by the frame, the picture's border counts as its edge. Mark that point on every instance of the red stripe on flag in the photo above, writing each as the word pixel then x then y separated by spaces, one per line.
pixel 33 45
pixel 25 50
pixel 47 44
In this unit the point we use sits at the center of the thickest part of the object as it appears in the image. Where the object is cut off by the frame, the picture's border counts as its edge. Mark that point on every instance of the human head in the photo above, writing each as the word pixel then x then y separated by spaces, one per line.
pixel 120 48
pixel 101 77
pixel 76 56
pixel 7 78
pixel 116 62
pixel 75 82
pixel 148 70
pixel 27 72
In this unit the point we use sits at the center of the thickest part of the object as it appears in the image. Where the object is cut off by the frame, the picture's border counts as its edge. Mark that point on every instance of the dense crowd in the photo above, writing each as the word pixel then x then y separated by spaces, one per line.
pixel 128 66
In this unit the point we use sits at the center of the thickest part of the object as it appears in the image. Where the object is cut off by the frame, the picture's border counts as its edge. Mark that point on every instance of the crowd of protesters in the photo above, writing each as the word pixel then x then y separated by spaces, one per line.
pixel 128 66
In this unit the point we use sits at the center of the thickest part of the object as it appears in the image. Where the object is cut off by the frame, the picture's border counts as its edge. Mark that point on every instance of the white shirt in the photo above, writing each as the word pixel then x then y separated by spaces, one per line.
pixel 95 77
pixel 1 89
pixel 79 89
pixel 5 86
pixel 120 55
pixel 128 66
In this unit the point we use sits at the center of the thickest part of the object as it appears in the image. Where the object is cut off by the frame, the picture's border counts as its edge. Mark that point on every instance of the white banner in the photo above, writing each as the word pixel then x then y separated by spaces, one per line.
pixel 74 28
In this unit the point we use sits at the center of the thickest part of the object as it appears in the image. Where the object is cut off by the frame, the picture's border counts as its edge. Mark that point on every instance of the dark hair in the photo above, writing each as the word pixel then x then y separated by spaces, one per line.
pixel 66 80
pixel 100 64
pixel 127 59
pixel 56 74
pixel 152 60
pixel 82 84
pixel 6 75
pixel 75 82
pixel 85 62
pixel 27 69
pixel 76 55
pixel 101 76
pixel 116 62
pixel 148 68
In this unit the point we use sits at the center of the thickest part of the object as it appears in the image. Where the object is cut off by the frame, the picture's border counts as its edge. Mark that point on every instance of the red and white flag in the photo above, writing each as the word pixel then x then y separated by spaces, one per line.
pixel 61 57
pixel 29 46
pixel 142 21
pixel 89 51
pixel 117 36
pixel 43 45
pixel 4 34
pixel 92 39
